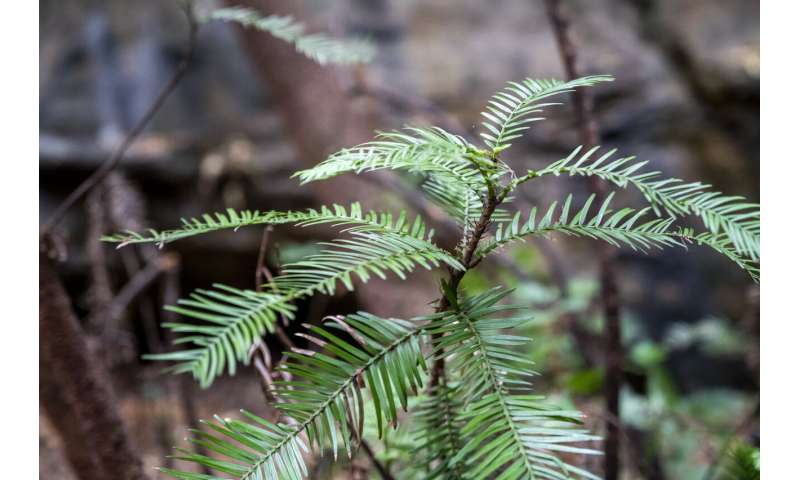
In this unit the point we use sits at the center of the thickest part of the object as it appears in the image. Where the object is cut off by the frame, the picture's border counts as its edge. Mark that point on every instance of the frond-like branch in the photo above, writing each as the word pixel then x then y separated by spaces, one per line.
pixel 449 164
pixel 256 449
pixel 320 48
pixel 739 220
pixel 325 399
pixel 230 320
pixel 362 256
pixel 426 151
pixel 723 245
pixel 507 434
pixel 621 227
pixel 386 358
pixel 355 220
pixel 226 322
pixel 439 433
pixel 511 111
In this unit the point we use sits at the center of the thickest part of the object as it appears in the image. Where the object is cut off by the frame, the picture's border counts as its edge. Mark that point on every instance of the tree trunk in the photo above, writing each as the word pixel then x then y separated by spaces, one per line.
pixel 75 393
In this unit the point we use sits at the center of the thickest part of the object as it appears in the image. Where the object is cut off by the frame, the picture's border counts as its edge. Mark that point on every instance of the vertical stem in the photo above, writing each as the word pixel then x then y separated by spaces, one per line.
pixel 614 353
pixel 470 242
pixel 614 356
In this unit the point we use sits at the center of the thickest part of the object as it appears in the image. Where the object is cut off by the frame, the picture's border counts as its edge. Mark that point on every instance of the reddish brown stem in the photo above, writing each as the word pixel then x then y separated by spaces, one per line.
pixel 438 374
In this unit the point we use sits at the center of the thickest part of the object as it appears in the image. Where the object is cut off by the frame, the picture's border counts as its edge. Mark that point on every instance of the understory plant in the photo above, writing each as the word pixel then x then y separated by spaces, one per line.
pixel 459 371
pixel 477 415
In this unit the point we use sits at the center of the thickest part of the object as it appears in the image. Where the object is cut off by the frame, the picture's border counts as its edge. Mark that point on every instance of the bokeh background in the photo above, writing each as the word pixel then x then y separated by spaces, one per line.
pixel 249 113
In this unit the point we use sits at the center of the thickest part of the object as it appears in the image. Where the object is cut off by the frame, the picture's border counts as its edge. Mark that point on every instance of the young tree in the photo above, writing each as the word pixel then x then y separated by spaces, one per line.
pixel 477 414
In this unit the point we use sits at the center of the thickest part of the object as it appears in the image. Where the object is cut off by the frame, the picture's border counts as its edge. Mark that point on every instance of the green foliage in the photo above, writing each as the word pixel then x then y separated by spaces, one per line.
pixel 320 48
pixel 439 434
pixel 387 359
pixel 479 416
pixel 356 220
pixel 510 112
pixel 738 220
pixel 622 227
pixel 742 462
pixel 325 401
pixel 227 321
pixel 425 151
pixel 446 161
pixel 508 431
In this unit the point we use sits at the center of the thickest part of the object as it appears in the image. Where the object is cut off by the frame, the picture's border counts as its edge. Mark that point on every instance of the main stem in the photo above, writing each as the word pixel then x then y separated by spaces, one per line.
pixel 470 242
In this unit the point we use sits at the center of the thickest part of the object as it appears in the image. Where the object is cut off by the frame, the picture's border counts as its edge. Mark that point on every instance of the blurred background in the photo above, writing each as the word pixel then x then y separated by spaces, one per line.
pixel 250 112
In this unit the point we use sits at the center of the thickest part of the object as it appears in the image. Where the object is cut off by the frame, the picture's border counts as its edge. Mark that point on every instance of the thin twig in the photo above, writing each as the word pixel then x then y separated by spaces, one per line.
pixel 608 285
pixel 260 353
pixel 111 163
pixel 261 270
pixel 135 286
pixel 383 471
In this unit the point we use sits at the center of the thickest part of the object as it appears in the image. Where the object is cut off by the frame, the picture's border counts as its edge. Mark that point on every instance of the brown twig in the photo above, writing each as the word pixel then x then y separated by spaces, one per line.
pixel 135 286
pixel 470 242
pixel 614 354
pixel 382 470
pixel 261 270
pixel 111 163
pixel 260 353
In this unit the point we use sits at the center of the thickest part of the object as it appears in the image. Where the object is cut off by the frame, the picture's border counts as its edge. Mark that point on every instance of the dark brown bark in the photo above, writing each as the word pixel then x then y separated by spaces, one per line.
pixel 100 293
pixel 614 354
pixel 75 391
pixel 614 358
